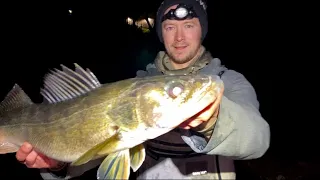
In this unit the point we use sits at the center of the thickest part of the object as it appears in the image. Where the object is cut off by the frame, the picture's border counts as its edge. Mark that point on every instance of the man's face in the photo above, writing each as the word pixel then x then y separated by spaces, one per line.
pixel 182 39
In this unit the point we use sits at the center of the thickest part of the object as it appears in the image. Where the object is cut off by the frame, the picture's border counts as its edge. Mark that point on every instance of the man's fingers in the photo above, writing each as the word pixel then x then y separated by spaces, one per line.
pixel 39 163
pixel 46 161
pixel 43 162
pixel 21 156
pixel 31 158
pixel 195 123
pixel 191 123
pixel 26 148
pixel 23 152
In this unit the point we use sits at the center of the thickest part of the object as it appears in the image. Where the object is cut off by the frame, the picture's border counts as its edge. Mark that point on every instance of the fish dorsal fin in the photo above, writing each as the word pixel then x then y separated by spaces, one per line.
pixel 15 98
pixel 65 84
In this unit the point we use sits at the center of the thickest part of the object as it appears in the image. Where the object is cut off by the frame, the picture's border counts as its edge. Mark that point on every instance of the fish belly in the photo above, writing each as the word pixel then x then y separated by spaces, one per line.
pixel 64 140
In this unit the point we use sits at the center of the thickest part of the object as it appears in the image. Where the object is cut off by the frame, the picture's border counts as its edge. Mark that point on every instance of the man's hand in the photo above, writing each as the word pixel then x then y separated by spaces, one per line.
pixel 211 112
pixel 32 159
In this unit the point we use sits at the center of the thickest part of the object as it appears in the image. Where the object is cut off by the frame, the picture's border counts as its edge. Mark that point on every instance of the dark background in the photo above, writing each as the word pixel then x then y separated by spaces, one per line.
pixel 36 37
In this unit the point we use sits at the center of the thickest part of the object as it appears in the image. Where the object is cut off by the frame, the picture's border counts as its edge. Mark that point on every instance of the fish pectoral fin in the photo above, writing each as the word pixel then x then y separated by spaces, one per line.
pixel 115 166
pixel 137 157
pixel 110 144
pixel 6 147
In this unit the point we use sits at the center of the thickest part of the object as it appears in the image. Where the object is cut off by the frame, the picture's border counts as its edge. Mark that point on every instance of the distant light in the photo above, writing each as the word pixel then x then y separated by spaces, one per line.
pixel 70 11
pixel 129 21
pixel 151 21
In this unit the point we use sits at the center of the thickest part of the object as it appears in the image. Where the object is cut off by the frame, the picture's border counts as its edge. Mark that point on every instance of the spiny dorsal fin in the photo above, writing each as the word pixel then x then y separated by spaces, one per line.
pixel 15 98
pixel 68 84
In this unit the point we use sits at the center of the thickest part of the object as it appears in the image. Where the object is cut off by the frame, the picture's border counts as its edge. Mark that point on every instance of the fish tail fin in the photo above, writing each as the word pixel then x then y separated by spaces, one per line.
pixel 6 146
pixel 15 98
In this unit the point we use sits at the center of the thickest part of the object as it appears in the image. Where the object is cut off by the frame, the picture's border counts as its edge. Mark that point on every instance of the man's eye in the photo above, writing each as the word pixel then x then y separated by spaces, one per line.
pixel 189 26
pixel 169 28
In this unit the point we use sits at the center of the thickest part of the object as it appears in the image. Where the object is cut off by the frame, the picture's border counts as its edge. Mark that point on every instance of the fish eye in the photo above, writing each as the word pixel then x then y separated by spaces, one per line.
pixel 174 89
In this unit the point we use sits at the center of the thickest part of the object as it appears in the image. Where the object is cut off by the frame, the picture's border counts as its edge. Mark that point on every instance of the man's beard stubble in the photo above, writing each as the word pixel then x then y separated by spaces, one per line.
pixel 180 61
pixel 191 55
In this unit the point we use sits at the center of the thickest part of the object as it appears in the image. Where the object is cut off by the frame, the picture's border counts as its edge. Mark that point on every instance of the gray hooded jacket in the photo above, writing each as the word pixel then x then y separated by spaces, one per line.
pixel 239 133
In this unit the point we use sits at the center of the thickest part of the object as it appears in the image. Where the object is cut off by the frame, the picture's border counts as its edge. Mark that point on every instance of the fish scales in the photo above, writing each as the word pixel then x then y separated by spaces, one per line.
pixel 68 123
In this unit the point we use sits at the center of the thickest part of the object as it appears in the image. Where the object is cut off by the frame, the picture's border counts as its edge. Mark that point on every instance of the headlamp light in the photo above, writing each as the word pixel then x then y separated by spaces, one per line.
pixel 182 12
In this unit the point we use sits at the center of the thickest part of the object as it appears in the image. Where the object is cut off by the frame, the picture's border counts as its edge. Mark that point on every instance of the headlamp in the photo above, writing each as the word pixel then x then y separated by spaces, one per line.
pixel 182 12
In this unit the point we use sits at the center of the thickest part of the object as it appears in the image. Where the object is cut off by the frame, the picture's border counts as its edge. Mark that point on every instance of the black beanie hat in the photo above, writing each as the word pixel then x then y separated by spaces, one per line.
pixel 199 7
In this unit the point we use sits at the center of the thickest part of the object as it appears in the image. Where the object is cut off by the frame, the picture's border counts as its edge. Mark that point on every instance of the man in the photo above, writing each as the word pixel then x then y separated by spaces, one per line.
pixel 203 147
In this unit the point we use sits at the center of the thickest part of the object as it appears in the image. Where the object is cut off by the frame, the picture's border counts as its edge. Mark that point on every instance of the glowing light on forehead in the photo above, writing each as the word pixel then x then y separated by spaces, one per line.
pixel 181 12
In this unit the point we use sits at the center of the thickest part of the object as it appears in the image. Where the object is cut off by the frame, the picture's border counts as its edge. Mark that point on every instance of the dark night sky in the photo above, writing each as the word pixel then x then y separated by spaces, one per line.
pixel 36 37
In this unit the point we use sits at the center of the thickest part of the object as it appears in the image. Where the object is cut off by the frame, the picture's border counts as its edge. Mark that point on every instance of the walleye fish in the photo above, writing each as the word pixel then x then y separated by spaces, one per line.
pixel 81 119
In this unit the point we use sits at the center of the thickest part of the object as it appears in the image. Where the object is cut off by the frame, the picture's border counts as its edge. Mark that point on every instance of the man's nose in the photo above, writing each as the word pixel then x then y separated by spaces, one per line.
pixel 179 34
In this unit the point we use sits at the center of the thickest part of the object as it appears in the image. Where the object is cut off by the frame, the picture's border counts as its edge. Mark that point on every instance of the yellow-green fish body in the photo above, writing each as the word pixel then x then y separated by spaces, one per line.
pixel 81 119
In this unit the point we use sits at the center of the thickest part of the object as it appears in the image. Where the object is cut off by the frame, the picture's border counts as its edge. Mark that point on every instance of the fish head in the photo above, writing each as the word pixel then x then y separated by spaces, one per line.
pixel 167 101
